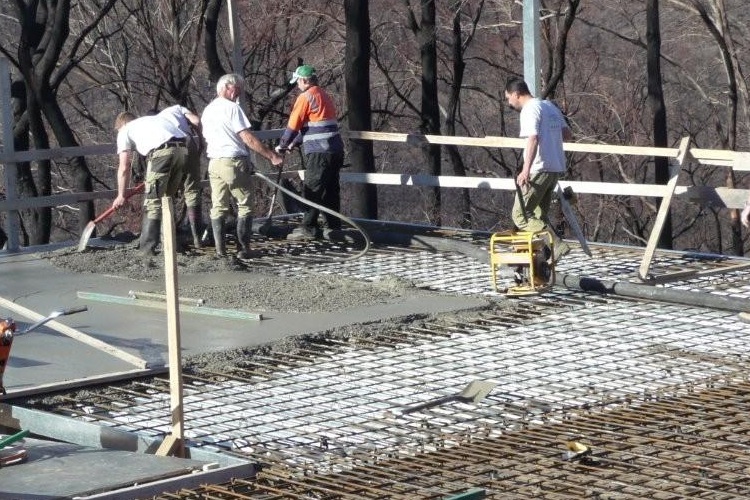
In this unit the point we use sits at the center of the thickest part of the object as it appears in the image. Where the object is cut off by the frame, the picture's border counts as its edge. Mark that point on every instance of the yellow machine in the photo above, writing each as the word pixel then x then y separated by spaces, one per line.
pixel 528 256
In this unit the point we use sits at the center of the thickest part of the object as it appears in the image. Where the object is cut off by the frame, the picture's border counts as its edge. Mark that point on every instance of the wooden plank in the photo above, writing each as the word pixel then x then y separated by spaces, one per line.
pixel 714 196
pixel 735 159
pixel 741 161
pixel 661 216
pixel 375 136
pixel 75 334
pixel 171 446
pixel 613 149
pixel 713 154
pixel 702 155
pixel 504 183
pixel 509 142
pixel 176 445
pixel 717 196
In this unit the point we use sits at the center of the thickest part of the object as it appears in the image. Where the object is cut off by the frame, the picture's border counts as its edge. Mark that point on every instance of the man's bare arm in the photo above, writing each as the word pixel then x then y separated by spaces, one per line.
pixel 253 143
pixel 123 178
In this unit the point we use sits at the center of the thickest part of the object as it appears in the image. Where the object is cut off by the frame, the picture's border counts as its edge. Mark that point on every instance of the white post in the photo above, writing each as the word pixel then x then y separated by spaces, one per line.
pixel 531 51
pixel 12 226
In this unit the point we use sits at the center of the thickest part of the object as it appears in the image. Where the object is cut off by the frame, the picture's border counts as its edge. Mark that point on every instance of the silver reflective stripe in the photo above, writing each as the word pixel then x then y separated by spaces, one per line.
pixel 318 136
pixel 323 123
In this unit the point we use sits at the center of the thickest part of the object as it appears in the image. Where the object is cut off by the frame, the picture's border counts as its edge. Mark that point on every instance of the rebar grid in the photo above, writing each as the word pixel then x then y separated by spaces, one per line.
pixel 331 406
pixel 667 448
pixel 654 389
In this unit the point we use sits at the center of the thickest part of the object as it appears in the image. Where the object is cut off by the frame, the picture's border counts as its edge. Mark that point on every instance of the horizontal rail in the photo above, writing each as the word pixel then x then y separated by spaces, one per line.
pixel 738 160
pixel 722 197
pixel 707 195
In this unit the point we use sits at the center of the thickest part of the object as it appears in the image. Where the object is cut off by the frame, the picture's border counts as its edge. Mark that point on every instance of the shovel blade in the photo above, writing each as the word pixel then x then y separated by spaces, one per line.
pixel 85 235
pixel 477 390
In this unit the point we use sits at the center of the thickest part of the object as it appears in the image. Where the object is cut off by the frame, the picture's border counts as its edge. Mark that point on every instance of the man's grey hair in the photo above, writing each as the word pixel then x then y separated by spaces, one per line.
pixel 228 79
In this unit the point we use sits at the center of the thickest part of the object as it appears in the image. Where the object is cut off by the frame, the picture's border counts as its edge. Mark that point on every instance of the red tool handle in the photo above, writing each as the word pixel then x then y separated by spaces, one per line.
pixel 109 211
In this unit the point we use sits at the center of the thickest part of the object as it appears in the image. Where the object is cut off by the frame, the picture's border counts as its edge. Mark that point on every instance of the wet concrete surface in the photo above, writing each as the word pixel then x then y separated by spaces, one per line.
pixel 296 307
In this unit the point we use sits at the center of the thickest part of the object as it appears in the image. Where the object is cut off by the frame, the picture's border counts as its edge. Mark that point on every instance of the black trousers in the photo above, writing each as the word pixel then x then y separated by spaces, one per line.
pixel 322 187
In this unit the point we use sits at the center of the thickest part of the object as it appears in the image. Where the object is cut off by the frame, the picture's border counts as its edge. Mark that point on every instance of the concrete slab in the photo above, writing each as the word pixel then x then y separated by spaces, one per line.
pixel 45 357
pixel 62 470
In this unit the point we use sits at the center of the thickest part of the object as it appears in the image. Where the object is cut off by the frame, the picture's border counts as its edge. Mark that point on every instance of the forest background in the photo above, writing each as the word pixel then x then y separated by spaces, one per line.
pixel 629 72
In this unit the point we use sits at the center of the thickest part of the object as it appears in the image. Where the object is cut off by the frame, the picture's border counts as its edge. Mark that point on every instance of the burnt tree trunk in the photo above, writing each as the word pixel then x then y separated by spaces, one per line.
pixel 658 108
pixel 44 32
pixel 357 76
pixel 427 39
pixel 211 40
pixel 459 65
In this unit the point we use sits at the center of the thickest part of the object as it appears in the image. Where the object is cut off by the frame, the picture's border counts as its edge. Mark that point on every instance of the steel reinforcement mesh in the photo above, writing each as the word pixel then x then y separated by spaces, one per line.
pixel 656 395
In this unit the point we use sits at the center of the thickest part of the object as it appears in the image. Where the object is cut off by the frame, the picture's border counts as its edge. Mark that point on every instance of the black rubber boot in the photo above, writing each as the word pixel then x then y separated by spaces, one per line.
pixel 218 229
pixel 196 225
pixel 150 235
pixel 244 231
pixel 561 248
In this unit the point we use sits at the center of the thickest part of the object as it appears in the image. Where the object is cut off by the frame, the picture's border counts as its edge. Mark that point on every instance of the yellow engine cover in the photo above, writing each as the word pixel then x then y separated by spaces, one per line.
pixel 530 256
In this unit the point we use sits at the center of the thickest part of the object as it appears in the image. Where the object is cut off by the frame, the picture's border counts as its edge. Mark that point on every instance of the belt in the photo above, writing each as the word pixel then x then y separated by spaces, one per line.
pixel 171 143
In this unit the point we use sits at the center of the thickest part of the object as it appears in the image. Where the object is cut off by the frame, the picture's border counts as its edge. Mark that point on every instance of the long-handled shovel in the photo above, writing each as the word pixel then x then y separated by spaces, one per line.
pixel 474 392
pixel 86 234
pixel 265 228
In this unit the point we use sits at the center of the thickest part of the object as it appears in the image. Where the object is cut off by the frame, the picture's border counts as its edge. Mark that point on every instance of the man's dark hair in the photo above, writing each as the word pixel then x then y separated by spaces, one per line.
pixel 517 85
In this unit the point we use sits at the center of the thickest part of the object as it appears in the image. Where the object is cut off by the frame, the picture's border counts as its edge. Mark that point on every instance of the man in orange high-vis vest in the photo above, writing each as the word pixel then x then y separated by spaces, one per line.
pixel 313 124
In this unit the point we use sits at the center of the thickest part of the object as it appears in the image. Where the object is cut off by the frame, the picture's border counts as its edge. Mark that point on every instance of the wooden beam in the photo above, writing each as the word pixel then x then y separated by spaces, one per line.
pixel 172 446
pixel 175 443
pixel 75 334
pixel 741 161
pixel 716 196
pixel 505 183
pixel 735 159
pixel 661 216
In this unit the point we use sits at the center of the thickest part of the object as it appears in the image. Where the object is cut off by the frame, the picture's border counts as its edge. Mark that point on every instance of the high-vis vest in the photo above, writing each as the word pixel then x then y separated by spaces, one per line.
pixel 314 119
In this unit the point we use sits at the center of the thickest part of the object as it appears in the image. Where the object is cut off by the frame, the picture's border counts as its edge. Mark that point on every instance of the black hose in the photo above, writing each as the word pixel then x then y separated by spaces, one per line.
pixel 647 292
pixel 342 217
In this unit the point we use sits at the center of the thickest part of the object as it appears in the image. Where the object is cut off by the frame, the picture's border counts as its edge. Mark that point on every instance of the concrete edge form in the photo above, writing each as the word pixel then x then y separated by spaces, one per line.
pixel 219 466
pixel 194 480
pixel 74 431
pixel 84 381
